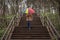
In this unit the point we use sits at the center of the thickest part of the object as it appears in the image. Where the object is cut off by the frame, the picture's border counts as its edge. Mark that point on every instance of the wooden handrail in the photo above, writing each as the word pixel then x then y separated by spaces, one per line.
pixel 50 30
pixel 42 19
pixel 4 37
pixel 50 27
pixel 53 28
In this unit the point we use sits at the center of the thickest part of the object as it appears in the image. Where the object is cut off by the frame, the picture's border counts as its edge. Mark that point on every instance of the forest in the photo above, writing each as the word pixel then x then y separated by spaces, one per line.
pixel 11 8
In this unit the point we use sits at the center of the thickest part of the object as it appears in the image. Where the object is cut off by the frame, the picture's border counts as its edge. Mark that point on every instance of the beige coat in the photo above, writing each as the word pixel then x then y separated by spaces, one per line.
pixel 29 17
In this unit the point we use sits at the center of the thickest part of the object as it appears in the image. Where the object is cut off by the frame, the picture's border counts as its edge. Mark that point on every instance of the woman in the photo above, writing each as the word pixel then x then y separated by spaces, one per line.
pixel 29 18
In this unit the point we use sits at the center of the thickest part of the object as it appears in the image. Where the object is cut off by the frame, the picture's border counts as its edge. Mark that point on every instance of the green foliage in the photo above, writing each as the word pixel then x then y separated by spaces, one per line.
pixel 3 24
pixel 55 19
pixel 1 32
pixel 9 16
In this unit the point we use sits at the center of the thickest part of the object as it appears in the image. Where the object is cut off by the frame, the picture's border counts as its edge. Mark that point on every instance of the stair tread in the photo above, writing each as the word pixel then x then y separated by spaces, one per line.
pixel 31 37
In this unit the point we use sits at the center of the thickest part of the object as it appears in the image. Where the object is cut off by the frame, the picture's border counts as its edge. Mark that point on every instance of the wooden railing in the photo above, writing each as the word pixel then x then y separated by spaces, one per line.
pixel 9 29
pixel 50 27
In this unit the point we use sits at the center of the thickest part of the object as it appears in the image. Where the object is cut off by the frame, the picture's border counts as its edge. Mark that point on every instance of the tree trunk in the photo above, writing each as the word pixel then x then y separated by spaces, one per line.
pixel 59 9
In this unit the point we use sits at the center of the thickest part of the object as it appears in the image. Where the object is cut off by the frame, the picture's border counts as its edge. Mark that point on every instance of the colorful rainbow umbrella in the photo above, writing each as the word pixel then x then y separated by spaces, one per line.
pixel 29 11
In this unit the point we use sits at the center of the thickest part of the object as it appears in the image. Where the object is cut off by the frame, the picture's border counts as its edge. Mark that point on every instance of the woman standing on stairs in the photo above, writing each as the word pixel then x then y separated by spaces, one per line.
pixel 29 17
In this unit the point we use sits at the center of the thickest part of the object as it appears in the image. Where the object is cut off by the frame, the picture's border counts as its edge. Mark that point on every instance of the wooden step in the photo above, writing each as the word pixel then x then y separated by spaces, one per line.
pixel 30 34
pixel 29 37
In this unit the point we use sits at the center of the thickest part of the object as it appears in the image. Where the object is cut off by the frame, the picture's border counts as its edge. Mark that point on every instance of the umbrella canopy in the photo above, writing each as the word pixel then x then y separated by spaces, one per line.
pixel 26 11
pixel 29 11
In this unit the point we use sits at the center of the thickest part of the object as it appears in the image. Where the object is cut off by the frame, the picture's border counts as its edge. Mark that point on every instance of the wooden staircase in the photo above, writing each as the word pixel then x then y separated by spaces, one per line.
pixel 37 31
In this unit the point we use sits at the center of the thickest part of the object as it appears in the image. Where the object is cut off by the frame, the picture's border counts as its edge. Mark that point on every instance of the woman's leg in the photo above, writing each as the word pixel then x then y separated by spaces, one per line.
pixel 28 24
